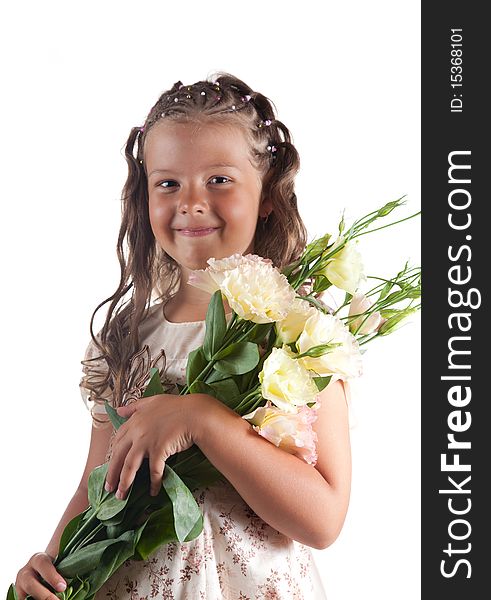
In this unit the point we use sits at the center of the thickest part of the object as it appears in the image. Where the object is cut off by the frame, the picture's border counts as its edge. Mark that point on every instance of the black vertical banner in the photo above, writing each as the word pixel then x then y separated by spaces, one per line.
pixel 456 393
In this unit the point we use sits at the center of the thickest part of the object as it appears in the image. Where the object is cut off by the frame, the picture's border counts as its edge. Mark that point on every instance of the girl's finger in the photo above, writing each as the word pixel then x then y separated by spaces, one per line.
pixel 119 453
pixel 132 463
pixel 156 463
pixel 126 411
pixel 35 588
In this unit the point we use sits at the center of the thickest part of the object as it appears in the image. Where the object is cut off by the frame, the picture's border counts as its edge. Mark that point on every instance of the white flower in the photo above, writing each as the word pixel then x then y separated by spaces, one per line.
pixel 342 361
pixel 358 306
pixel 285 381
pixel 345 268
pixel 292 326
pixel 291 432
pixel 254 289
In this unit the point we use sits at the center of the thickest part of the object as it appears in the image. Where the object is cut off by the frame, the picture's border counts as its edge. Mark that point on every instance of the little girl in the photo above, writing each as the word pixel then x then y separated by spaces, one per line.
pixel 211 173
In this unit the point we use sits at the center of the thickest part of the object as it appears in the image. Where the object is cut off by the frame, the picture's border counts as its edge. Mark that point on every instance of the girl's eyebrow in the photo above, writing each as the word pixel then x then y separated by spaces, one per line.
pixel 215 166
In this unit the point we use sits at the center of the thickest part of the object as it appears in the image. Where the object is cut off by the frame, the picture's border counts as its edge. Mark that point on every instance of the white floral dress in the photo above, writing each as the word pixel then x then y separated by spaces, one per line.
pixel 237 556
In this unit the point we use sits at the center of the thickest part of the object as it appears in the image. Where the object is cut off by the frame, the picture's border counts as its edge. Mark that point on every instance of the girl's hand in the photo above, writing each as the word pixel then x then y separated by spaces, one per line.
pixel 159 427
pixel 28 583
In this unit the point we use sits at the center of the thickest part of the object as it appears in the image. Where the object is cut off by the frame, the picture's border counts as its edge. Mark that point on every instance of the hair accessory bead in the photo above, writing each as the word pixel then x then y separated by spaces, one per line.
pixel 176 99
pixel 203 93
pixel 245 98
pixel 140 161
pixel 267 123
pixel 188 96
pixel 233 106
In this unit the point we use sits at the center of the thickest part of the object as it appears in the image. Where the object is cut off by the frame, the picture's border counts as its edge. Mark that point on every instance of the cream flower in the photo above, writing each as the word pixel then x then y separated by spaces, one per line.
pixel 291 432
pixel 292 326
pixel 358 306
pixel 285 381
pixel 254 289
pixel 345 268
pixel 342 361
pixel 210 279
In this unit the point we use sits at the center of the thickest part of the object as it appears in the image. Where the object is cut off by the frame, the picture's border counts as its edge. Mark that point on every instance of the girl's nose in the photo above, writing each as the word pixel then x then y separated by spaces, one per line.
pixel 193 200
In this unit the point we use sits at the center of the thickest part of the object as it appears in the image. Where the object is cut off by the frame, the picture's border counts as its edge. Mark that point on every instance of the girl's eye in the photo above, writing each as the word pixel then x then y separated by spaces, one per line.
pixel 163 183
pixel 219 177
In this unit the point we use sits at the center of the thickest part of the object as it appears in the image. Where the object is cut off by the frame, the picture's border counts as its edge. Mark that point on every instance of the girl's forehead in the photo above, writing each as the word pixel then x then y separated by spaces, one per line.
pixel 194 131
pixel 173 139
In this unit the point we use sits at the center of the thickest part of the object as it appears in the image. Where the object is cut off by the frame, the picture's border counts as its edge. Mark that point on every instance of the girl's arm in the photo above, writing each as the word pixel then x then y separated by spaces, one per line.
pixel 306 503
pixel 40 565
pixel 99 444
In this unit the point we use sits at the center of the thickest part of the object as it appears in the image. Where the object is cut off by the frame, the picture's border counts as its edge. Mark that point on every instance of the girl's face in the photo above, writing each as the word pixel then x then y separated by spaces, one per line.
pixel 204 193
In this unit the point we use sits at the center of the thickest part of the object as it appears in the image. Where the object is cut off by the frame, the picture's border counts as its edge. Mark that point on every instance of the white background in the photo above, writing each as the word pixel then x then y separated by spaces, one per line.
pixel 345 78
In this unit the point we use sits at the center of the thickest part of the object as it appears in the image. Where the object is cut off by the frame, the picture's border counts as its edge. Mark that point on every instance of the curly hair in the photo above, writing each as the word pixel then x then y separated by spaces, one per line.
pixel 148 271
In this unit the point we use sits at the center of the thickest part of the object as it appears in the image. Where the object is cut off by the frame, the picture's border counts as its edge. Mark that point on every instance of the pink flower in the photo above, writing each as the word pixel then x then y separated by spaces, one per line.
pixel 291 432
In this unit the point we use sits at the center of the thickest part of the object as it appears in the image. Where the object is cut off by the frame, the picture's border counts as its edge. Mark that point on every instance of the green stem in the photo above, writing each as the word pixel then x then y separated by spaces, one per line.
pixel 388 225
pixel 77 537
pixel 205 372
pixel 89 537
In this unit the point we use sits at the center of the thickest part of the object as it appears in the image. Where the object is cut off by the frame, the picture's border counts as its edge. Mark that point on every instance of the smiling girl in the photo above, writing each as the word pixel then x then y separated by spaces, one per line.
pixel 210 173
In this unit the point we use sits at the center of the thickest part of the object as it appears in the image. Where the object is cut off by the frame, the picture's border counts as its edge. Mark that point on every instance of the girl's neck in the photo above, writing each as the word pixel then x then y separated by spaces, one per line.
pixel 189 304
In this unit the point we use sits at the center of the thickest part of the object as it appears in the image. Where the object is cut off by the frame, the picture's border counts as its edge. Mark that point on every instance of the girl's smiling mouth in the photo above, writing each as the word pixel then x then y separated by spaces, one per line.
pixel 198 231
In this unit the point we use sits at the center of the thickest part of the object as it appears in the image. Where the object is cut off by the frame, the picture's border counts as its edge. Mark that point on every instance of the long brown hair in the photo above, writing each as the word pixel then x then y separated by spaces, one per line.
pixel 147 270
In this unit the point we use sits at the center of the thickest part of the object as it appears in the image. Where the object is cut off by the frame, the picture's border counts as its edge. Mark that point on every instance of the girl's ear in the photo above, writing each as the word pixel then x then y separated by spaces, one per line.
pixel 265 208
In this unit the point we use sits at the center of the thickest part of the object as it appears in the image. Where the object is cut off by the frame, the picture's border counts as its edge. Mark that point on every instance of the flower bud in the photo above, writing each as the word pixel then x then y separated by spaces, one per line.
pixel 345 268
pixel 360 305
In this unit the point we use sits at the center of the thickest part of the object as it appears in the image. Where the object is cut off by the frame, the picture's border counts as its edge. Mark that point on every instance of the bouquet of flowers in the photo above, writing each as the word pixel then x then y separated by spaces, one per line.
pixel 281 347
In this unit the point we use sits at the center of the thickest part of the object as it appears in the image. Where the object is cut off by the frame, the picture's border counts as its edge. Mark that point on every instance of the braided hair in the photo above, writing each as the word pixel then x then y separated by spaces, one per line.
pixel 148 270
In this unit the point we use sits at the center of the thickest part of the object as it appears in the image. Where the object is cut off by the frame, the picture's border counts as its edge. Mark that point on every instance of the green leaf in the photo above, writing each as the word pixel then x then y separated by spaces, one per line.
pixel 154 386
pixel 259 332
pixel 96 484
pixel 225 390
pixel 186 511
pixel 70 528
pixel 112 506
pixel 316 248
pixel 322 382
pixel 111 558
pixel 321 283
pixel 87 559
pixel 105 504
pixel 385 290
pixel 216 326
pixel 196 363
pixel 158 530
pixel 237 358
pixel 12 593
pixel 116 420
